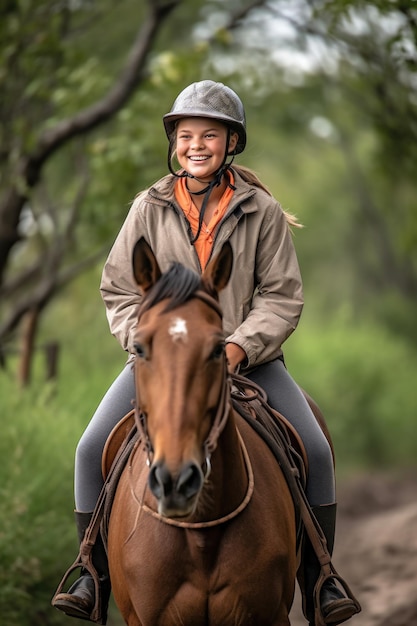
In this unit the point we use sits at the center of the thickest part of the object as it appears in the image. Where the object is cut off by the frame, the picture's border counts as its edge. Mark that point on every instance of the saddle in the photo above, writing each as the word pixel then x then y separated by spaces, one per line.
pixel 248 401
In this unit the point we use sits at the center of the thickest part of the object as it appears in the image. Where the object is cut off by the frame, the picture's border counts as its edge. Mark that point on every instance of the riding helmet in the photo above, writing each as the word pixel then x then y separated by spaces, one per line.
pixel 209 99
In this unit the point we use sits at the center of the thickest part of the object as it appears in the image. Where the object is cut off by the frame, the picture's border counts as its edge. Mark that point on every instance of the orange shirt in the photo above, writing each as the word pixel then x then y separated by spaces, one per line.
pixel 204 243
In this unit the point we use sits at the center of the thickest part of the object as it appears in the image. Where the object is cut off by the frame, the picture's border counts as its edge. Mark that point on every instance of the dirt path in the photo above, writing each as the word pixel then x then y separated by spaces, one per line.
pixel 376 548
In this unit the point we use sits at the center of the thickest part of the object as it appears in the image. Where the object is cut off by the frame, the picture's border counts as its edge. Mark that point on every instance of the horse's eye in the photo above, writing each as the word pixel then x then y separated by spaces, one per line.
pixel 218 351
pixel 139 350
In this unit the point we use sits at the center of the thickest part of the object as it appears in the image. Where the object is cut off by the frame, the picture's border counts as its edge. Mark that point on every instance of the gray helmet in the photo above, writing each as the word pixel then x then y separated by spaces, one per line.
pixel 209 99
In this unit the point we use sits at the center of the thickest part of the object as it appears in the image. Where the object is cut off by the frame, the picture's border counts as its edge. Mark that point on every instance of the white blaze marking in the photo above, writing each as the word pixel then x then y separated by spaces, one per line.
pixel 178 329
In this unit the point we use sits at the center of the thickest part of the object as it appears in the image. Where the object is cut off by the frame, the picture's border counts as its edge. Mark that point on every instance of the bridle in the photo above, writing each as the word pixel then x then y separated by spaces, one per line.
pixel 223 407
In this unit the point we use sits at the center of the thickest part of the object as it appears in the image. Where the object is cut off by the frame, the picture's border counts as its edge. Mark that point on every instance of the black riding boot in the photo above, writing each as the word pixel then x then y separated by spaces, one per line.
pixel 79 600
pixel 335 606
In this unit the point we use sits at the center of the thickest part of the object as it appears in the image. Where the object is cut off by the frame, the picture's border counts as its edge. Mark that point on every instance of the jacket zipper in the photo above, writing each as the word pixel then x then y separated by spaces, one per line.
pixel 190 233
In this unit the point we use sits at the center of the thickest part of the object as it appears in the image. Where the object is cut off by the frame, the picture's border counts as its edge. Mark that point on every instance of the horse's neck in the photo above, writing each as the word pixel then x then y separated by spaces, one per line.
pixel 228 481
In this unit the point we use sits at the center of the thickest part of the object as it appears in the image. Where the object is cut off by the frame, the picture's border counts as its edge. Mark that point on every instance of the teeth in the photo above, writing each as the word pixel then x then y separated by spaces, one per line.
pixel 198 158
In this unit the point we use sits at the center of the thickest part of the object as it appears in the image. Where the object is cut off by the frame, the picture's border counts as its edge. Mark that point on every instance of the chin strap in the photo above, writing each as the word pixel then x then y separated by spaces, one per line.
pixel 209 188
pixel 207 191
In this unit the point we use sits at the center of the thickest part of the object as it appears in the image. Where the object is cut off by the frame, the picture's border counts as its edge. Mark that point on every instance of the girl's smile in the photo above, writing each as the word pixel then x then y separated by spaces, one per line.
pixel 201 146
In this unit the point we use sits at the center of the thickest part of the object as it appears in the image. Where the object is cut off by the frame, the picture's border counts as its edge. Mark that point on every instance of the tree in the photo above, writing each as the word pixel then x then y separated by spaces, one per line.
pixel 377 79
pixel 43 123
pixel 353 66
pixel 40 31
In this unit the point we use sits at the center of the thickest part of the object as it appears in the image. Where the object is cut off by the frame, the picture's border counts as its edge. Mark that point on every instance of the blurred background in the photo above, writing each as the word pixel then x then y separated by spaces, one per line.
pixel 330 90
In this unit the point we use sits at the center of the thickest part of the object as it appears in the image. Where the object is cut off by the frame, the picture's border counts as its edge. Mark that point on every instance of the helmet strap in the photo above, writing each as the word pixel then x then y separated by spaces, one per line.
pixel 207 191
pixel 182 174
pixel 209 188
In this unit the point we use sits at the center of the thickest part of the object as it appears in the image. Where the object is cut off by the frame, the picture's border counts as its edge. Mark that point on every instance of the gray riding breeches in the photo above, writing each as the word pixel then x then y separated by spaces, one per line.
pixel 283 394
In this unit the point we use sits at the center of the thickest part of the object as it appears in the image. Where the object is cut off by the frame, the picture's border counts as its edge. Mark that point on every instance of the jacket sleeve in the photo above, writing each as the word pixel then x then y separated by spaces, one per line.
pixel 277 301
pixel 118 287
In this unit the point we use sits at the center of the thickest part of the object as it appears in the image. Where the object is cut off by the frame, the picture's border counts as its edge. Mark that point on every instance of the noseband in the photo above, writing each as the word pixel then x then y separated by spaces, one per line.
pixel 223 407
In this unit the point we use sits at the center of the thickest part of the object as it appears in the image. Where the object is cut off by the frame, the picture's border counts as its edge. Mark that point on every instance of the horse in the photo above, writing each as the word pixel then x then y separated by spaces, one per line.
pixel 202 529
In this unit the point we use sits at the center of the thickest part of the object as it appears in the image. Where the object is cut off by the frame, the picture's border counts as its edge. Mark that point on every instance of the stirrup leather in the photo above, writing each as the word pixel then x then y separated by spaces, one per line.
pixel 84 561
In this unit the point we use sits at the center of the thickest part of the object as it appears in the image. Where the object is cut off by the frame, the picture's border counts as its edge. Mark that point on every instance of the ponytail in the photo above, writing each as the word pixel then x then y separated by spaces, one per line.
pixel 250 177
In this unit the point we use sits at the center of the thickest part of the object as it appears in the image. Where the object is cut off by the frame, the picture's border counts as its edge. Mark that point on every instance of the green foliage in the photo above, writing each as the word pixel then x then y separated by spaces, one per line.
pixel 363 378
pixel 377 80
pixel 35 487
pixel 38 537
pixel 41 427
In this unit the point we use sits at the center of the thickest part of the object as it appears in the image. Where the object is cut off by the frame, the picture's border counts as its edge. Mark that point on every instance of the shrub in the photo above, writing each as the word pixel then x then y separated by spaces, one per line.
pixel 363 377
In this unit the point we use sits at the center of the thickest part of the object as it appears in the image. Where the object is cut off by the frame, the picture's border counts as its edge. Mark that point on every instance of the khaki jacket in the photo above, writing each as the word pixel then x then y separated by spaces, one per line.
pixel 262 302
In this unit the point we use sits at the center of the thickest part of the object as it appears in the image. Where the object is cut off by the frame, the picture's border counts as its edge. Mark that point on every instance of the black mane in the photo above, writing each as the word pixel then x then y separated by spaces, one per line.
pixel 178 284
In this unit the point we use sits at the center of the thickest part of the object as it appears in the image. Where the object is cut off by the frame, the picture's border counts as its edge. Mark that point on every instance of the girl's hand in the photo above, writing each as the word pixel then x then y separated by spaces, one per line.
pixel 235 356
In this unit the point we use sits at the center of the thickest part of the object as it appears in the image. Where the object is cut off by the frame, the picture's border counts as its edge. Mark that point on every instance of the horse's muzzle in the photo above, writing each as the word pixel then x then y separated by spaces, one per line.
pixel 176 495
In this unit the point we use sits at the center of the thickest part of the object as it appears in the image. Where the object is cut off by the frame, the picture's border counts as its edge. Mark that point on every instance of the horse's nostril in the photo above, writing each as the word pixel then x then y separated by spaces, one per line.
pixel 190 480
pixel 163 485
pixel 160 480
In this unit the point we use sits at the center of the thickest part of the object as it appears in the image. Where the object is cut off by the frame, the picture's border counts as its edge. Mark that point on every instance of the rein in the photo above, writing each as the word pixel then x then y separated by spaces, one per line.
pixel 211 523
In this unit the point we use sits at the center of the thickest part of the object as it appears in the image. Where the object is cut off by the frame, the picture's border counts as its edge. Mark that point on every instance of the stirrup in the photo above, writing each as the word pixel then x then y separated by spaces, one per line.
pixel 339 610
pixel 72 602
pixel 98 613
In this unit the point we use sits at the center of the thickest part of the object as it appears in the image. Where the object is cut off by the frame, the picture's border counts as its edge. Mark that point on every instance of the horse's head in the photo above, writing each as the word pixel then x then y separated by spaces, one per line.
pixel 181 373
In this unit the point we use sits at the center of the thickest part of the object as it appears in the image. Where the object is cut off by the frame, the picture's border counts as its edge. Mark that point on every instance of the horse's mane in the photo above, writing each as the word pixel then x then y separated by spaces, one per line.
pixel 177 285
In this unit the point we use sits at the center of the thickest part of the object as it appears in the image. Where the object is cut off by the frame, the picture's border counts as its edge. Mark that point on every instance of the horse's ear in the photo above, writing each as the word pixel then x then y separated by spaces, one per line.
pixel 218 271
pixel 145 266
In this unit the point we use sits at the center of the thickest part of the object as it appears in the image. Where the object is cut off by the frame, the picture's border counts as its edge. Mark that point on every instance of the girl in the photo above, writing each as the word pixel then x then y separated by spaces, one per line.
pixel 186 217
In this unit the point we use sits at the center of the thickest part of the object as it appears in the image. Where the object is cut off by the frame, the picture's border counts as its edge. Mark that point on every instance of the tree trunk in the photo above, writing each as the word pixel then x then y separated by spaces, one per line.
pixel 28 346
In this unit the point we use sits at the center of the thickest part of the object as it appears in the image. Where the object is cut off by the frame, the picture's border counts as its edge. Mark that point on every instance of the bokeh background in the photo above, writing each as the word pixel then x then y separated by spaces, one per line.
pixel 330 90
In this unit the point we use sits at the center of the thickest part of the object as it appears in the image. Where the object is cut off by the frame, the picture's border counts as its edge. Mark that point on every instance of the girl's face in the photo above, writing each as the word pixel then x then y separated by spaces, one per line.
pixel 201 146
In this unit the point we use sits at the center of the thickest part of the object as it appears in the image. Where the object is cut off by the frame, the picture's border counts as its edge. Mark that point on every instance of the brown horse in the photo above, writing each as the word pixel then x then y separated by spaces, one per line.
pixel 202 529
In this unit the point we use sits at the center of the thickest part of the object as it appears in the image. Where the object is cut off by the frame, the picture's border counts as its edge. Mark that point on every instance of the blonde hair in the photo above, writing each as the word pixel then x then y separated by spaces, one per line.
pixel 249 176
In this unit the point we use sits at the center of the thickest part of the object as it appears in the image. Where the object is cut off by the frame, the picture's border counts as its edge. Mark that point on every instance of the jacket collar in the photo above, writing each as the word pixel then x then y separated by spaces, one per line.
pixel 163 191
